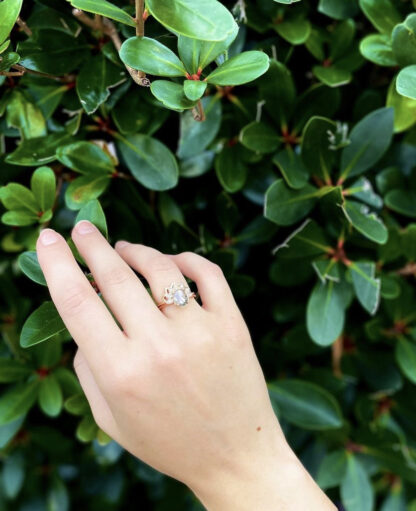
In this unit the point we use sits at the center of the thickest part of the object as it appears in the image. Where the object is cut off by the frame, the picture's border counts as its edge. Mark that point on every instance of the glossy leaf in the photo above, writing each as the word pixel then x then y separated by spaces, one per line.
pixel 38 151
pixel 366 286
pixel 43 185
pixel 292 168
pixel 240 69
pixel 259 137
pixel 317 152
pixel 86 158
pixel 405 353
pixel 406 82
pixel 377 48
pixel 356 491
pixel 171 95
pixel 50 396
pixel 208 20
pixel 17 401
pixel 150 161
pixel 93 212
pixel 104 8
pixel 29 264
pixel 193 89
pixel 9 12
pixel 404 41
pixel 367 224
pixel 382 14
pixel 402 201
pixel 151 56
pixel 306 405
pixel 84 189
pixel 41 325
pixel 230 169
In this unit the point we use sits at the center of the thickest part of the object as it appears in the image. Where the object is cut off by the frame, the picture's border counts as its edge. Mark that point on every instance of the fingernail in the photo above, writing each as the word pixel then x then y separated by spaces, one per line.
pixel 85 227
pixel 121 244
pixel 48 237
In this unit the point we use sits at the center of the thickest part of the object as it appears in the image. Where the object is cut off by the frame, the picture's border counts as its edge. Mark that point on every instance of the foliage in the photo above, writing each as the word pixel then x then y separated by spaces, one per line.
pixel 277 140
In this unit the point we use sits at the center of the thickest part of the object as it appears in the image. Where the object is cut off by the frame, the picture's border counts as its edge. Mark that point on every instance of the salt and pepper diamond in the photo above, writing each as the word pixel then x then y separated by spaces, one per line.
pixel 178 294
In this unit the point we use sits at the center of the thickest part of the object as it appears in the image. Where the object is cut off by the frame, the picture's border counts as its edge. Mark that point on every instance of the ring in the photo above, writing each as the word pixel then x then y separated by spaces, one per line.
pixel 177 294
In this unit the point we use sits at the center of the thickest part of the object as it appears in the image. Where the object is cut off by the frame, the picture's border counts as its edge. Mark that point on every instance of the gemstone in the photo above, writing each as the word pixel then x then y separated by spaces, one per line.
pixel 180 298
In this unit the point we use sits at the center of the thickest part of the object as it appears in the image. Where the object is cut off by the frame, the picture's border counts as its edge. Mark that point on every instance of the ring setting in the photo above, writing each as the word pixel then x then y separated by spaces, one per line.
pixel 177 294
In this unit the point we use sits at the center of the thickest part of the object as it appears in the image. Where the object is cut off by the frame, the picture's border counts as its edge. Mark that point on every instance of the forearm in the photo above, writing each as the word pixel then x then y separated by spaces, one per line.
pixel 282 484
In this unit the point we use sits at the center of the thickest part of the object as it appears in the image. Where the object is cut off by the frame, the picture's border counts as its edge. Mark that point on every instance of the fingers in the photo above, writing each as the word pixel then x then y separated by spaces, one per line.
pixel 99 407
pixel 159 271
pixel 212 286
pixel 83 312
pixel 122 290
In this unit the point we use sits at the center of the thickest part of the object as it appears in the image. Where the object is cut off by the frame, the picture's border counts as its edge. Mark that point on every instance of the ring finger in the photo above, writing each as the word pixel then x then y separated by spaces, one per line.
pixel 158 269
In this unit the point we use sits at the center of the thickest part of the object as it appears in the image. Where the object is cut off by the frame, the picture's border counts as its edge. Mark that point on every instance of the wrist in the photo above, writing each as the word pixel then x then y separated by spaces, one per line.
pixel 276 482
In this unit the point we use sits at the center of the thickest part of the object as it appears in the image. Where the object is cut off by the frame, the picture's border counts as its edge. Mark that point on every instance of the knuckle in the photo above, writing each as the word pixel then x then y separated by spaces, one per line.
pixel 74 300
pixel 168 359
pixel 116 276
pixel 161 264
pixel 215 270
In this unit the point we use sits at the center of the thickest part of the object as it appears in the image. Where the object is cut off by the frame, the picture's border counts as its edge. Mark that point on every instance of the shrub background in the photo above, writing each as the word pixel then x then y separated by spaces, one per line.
pixel 301 185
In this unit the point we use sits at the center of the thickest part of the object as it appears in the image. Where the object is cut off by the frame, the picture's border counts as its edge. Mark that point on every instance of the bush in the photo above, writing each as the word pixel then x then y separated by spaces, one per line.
pixel 281 147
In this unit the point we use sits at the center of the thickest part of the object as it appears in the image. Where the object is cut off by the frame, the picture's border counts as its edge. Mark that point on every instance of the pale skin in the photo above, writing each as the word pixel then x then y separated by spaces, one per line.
pixel 180 388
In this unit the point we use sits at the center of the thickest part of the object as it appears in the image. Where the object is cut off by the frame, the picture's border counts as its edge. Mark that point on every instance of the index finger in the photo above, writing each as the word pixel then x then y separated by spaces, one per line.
pixel 85 315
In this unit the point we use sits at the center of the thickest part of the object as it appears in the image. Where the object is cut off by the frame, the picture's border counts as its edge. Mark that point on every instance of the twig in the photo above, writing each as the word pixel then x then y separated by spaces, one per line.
pixel 337 352
pixel 198 112
pixel 23 25
pixel 139 18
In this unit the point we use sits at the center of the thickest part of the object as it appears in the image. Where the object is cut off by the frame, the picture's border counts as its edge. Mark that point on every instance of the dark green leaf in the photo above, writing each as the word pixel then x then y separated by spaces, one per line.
pixel 406 358
pixel 240 69
pixel 382 14
pixel 86 157
pixel 356 490
pixel 41 325
pixel 292 168
pixel 366 286
pixel 50 396
pixel 38 151
pixel 259 137
pixel 29 264
pixel 17 401
pixel 404 41
pixel 12 370
pixel 368 224
pixel 93 212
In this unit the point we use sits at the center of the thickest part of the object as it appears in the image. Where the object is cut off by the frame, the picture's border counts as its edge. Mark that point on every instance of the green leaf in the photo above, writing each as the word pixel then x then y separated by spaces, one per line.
pixel 404 107
pixel 38 151
pixel 325 313
pixel 402 201
pixel 17 196
pixel 95 79
pixel 306 405
pixel 207 20
pixel 29 264
pixel 197 55
pixel 292 168
pixel 308 240
pixel 13 474
pixel 151 56
pixel 17 401
pixel 41 325
pixel 370 139
pixel 77 404
pixel 332 470
pixel 242 68
pixel 295 31
pixel 230 169
pixel 285 206
pixel 9 12
pixel 406 82
pixel 366 286
pixel 12 370
pixel 382 14
pixel 171 95
pixel 404 41
pixel 19 218
pixel 8 60
pixel 50 396
pixel 87 429
pixel 408 242
pixel 338 9
pixel 395 501
pixel 195 137
pixel 93 212
pixel 259 137
pixel 332 76
pixel 193 89
pixel 356 491
pixel 25 115
pixel 104 8
pixel 377 48
pixel 405 354
pixel 150 161
pixel 84 189
pixel 43 185
pixel 369 225
pixel 86 158
pixel 316 151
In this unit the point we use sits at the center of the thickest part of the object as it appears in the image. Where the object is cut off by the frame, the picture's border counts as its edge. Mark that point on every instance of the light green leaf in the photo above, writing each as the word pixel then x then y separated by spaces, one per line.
pixel 325 313
pixel 104 8
pixel 366 286
pixel 150 161
pixel 370 139
pixel 87 429
pixel 41 325
pixel 207 20
pixel 151 56
pixel 9 12
pixel 382 14
pixel 43 185
pixel 377 49
pixel 295 31
pixel 404 107
pixel 171 95
pixel 29 264
pixel 84 189
pixel 306 405
pixel 17 197
pixel 406 82
pixel 19 218
pixel 93 212
pixel 356 491
pixel 50 396
pixel 193 89
pixel 367 223
pixel 242 68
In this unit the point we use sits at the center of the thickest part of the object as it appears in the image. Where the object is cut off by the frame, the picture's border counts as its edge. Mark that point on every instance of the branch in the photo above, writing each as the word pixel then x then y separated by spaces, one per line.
pixel 139 18
pixel 198 112
pixel 23 25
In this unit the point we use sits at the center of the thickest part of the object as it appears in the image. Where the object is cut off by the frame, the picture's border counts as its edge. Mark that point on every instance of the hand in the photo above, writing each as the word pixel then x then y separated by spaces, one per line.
pixel 181 388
